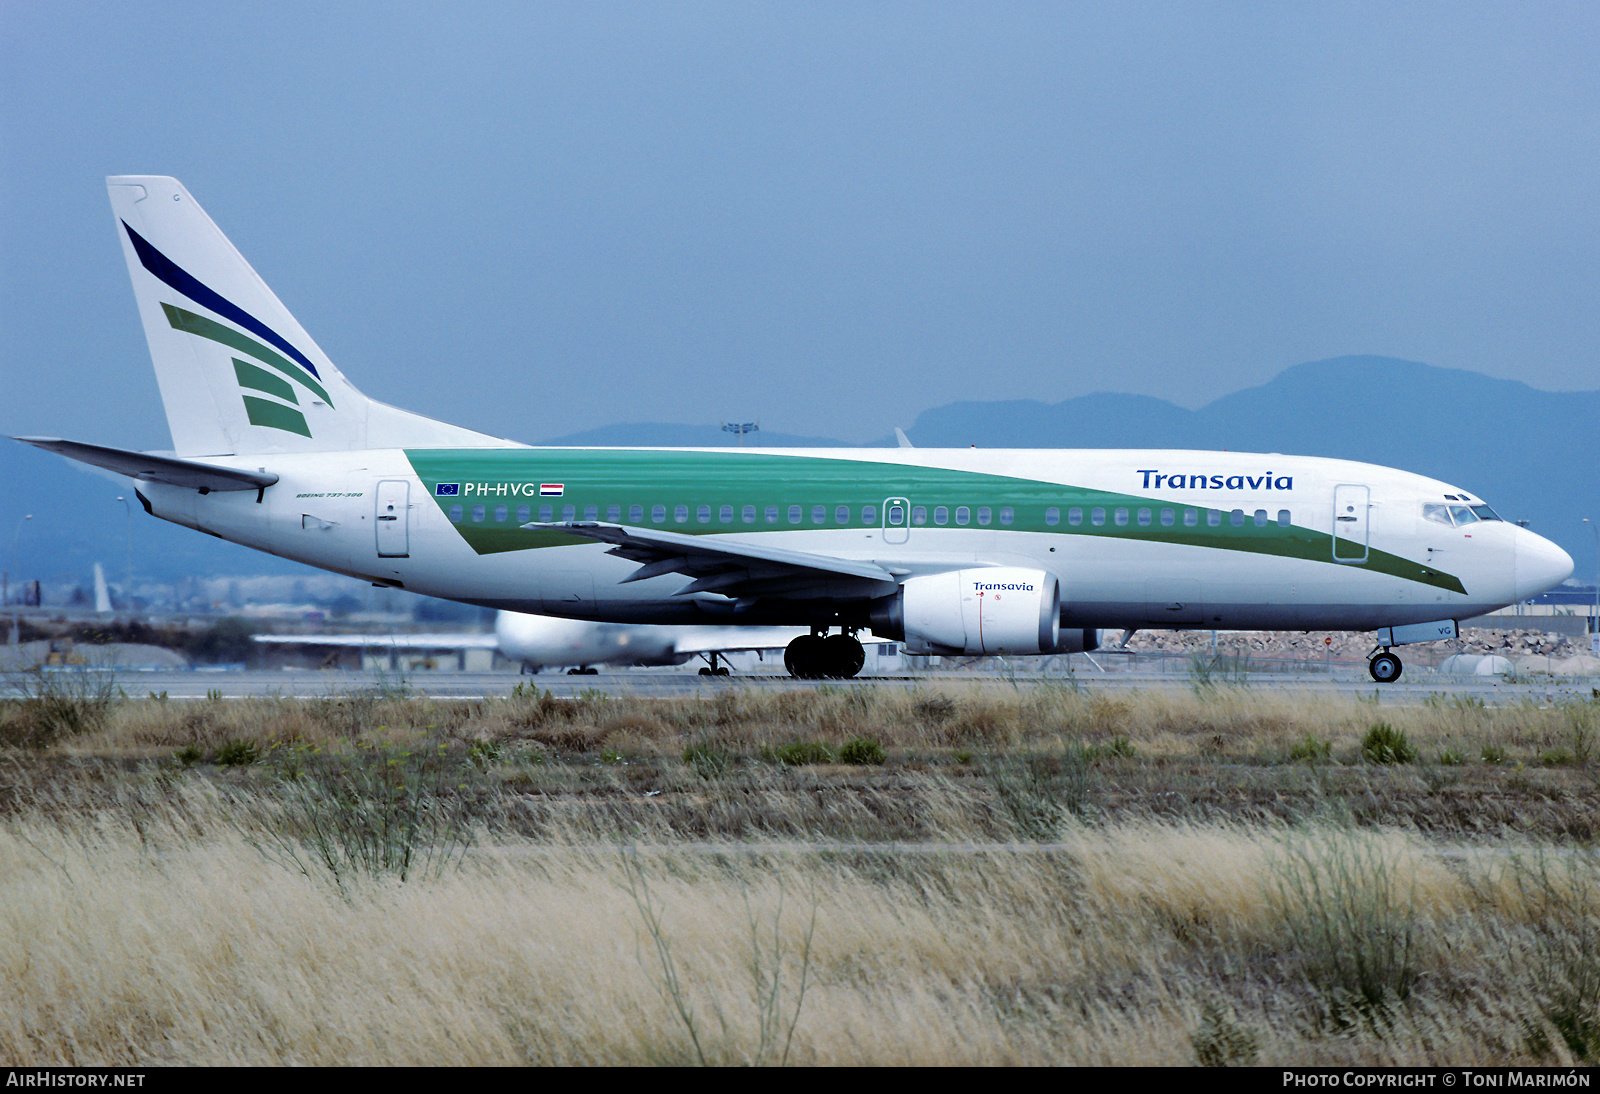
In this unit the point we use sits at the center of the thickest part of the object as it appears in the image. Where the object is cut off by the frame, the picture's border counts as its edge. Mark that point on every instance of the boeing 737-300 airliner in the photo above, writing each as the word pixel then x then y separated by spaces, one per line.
pixel 949 551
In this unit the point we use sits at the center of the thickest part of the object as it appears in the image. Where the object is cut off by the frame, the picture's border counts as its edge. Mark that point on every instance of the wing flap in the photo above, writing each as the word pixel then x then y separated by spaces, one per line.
pixel 731 566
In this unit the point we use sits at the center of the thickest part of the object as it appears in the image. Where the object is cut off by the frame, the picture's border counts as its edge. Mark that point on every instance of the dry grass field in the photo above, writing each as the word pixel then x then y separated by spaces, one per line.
pixel 978 875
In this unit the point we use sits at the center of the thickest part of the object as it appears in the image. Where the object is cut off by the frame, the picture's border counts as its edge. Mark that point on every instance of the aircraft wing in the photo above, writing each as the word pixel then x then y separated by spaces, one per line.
pixel 740 639
pixel 386 641
pixel 733 567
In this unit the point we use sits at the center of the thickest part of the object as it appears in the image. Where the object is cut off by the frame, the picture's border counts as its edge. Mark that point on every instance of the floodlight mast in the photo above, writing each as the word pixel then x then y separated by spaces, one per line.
pixel 740 428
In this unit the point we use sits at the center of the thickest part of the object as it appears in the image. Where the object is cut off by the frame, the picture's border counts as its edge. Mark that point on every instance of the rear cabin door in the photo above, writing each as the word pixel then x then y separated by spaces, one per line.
pixel 394 518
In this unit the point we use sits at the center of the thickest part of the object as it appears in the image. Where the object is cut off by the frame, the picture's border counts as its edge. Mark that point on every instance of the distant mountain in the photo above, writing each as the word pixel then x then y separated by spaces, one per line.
pixel 1526 452
pixel 668 435
pixel 1091 421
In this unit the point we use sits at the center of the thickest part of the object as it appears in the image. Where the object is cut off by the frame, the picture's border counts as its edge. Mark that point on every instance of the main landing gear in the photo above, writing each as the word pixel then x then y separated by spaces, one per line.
pixel 1384 666
pixel 711 667
pixel 818 657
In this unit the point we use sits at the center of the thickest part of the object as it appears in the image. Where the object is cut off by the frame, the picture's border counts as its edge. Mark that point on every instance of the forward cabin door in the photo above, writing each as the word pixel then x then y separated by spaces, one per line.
pixel 1350 505
pixel 394 518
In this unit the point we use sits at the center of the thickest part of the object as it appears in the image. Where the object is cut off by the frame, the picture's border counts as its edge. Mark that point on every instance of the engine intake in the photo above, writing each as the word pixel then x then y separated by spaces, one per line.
pixel 993 610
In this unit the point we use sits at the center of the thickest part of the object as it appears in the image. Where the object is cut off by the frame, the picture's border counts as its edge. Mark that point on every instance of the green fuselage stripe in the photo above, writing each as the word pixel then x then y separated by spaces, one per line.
pixel 227 336
pixel 259 379
pixel 602 478
pixel 275 416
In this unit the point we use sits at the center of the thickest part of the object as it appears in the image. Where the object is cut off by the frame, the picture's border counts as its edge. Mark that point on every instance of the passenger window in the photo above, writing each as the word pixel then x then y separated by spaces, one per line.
pixel 568 512
pixel 455 514
pixel 1144 518
pixel 1283 518
pixel 546 514
pixel 477 514
pixel 1214 517
pixel 500 514
pixel 658 513
pixel 1052 516
pixel 680 514
pixel 772 514
pixel 1006 515
pixel 1237 518
pixel 869 514
pixel 841 514
pixel 748 514
pixel 591 512
pixel 635 514
pixel 819 514
pixel 941 515
pixel 1074 516
pixel 1097 517
pixel 1261 518
pixel 1191 518
pixel 1168 518
pixel 1121 517
pixel 794 514
pixel 725 514
pixel 963 514
pixel 983 515
pixel 703 514
pixel 613 513
pixel 524 514
pixel 919 514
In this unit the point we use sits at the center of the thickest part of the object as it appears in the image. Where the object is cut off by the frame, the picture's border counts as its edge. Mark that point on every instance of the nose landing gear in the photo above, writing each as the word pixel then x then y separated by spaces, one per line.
pixel 818 657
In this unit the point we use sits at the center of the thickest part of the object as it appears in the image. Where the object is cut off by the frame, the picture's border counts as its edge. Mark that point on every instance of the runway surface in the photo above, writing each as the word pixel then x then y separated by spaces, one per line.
pixel 664 683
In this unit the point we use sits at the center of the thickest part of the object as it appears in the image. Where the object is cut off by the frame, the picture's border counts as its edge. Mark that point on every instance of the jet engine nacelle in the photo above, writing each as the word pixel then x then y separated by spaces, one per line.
pixel 997 609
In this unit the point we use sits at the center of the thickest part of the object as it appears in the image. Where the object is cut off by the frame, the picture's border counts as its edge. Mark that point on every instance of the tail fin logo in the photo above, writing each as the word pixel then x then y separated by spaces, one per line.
pixel 285 362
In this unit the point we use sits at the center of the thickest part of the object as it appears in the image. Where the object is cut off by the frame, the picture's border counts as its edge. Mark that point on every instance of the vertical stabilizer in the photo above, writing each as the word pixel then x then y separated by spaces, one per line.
pixel 238 374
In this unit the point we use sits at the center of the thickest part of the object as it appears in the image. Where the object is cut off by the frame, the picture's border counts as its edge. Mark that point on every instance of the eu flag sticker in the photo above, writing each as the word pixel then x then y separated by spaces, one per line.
pixel 447 490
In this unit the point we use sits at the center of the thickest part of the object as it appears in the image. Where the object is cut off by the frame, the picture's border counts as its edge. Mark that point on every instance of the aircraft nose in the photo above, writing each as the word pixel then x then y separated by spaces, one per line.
pixel 1541 564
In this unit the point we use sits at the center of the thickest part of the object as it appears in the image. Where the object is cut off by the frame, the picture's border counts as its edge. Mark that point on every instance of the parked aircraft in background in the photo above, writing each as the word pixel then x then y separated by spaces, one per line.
pixel 542 641
pixel 545 642
pixel 952 551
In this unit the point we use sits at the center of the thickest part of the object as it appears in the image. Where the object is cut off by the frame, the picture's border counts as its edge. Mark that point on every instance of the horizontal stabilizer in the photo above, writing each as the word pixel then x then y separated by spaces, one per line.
pixel 148 468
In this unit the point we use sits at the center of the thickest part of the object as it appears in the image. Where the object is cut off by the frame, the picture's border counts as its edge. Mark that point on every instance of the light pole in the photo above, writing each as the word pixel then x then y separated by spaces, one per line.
pixel 740 428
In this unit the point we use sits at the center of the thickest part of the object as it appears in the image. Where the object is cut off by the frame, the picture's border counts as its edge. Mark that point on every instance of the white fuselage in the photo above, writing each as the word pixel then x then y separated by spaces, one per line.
pixel 1145 557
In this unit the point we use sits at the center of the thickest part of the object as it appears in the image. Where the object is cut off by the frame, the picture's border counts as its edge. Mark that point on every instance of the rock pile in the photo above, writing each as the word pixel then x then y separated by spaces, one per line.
pixel 1516 645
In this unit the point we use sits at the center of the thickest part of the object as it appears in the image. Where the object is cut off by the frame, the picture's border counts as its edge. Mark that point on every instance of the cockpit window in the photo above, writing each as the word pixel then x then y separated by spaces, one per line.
pixel 1458 515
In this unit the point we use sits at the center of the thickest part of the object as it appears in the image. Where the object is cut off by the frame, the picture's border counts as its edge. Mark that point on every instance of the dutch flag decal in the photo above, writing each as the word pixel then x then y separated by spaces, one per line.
pixel 551 489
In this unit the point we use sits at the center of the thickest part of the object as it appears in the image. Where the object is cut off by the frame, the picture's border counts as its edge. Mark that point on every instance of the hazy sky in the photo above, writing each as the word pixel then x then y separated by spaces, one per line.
pixel 534 218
